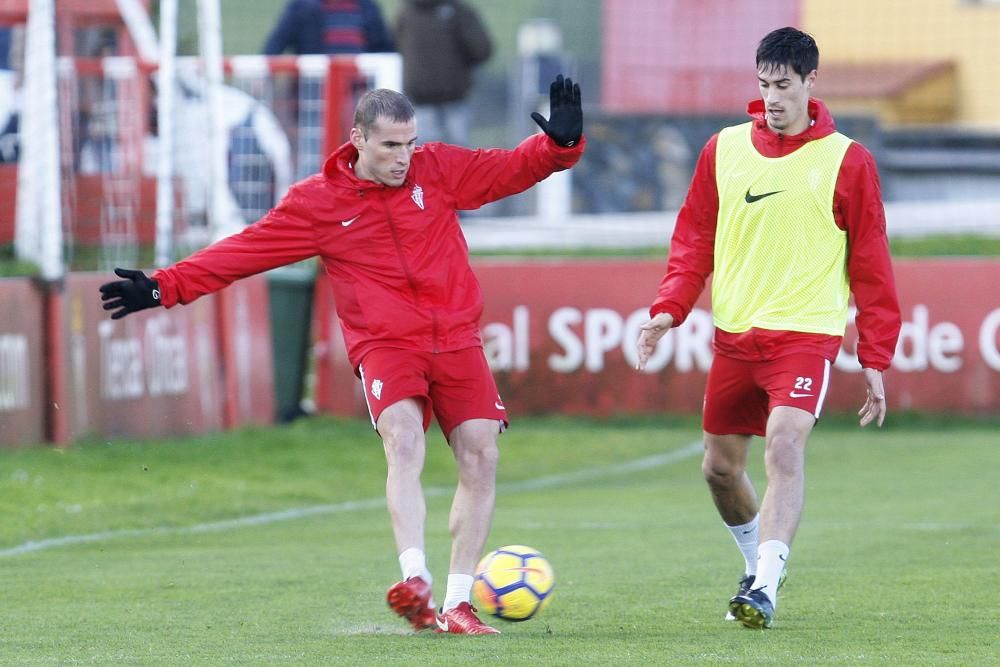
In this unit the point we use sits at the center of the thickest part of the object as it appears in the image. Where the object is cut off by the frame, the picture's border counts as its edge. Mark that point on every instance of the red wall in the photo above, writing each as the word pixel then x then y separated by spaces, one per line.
pixel 8 195
pixel 87 202
pixel 681 56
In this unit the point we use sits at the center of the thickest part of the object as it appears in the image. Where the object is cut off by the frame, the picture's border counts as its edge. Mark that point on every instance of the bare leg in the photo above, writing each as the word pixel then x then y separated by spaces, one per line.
pixel 402 431
pixel 474 443
pixel 724 467
pixel 788 430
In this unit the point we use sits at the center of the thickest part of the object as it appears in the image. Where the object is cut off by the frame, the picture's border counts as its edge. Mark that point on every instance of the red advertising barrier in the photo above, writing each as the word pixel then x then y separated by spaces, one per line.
pixel 154 373
pixel 338 390
pixel 186 370
pixel 22 373
pixel 948 356
pixel 245 334
pixel 560 337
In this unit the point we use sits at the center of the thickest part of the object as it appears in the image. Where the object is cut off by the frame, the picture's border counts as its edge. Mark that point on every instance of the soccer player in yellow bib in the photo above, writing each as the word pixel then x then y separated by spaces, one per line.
pixel 787 214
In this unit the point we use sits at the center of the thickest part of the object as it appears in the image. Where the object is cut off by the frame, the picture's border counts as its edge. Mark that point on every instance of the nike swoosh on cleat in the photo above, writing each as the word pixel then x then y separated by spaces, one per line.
pixel 752 198
pixel 442 623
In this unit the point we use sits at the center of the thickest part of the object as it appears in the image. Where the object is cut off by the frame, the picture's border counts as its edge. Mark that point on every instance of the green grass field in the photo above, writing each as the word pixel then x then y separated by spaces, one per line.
pixel 273 547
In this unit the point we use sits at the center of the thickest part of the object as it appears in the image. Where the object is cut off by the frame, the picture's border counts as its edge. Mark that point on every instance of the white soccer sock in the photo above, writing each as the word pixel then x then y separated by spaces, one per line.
pixel 771 556
pixel 413 563
pixel 746 536
pixel 459 591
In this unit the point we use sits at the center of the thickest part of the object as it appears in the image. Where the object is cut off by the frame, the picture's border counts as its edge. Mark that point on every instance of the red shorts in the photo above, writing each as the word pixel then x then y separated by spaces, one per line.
pixel 454 386
pixel 741 394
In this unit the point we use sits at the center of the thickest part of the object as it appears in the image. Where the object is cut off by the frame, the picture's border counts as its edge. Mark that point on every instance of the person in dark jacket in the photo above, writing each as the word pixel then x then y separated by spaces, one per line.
pixel 382 216
pixel 441 41
pixel 329 27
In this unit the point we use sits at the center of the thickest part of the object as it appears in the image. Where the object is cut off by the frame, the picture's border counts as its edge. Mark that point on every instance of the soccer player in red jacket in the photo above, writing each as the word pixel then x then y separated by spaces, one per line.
pixel 786 213
pixel 382 216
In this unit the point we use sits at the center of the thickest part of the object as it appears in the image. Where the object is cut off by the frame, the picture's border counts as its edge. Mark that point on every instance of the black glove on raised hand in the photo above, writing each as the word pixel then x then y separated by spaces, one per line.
pixel 136 292
pixel 565 123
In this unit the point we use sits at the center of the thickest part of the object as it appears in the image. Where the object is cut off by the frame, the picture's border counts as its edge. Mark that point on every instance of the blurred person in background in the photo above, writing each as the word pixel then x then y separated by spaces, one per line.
pixel 329 27
pixel 787 214
pixel 6 37
pixel 442 42
pixel 10 95
pixel 382 215
pixel 99 120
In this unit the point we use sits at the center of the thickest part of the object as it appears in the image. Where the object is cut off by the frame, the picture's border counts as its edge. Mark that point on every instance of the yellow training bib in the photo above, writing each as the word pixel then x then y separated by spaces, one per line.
pixel 780 259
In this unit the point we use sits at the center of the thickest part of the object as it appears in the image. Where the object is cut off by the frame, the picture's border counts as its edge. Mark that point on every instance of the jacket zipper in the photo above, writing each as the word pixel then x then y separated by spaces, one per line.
pixel 407 272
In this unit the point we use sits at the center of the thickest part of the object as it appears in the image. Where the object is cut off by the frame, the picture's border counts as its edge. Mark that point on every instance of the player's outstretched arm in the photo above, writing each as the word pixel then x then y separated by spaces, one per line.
pixel 650 334
pixel 478 177
pixel 874 408
pixel 135 292
pixel 565 122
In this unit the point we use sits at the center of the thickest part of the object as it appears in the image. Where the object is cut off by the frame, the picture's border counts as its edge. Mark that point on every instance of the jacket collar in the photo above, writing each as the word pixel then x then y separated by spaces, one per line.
pixel 339 170
pixel 772 144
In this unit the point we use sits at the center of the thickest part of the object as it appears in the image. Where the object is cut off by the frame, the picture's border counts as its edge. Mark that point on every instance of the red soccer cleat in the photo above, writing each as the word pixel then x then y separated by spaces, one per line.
pixel 462 621
pixel 411 599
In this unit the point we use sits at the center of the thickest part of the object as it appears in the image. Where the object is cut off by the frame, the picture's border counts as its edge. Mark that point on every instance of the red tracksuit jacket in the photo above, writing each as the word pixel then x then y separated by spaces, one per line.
pixel 396 256
pixel 857 209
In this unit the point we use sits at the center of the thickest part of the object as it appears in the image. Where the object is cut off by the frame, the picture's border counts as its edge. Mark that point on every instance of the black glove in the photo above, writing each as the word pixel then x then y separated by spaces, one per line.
pixel 565 123
pixel 136 292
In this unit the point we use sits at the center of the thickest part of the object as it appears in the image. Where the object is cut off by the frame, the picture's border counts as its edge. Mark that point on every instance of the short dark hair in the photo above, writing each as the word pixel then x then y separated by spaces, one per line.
pixel 788 47
pixel 382 103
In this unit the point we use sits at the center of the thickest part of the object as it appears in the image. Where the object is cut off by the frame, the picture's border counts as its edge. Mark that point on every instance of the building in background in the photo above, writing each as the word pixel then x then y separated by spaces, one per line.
pixel 924 53
pixel 905 61
pixel 912 79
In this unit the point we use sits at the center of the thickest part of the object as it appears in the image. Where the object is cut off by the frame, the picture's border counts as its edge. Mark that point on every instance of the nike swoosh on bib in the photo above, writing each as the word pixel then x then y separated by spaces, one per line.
pixel 752 198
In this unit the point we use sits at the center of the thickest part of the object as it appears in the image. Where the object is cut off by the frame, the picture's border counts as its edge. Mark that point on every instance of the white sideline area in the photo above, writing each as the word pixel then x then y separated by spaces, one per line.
pixel 544 482
pixel 643 230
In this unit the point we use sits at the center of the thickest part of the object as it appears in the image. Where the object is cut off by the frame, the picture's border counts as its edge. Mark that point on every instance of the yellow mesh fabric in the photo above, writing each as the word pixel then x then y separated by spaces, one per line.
pixel 780 259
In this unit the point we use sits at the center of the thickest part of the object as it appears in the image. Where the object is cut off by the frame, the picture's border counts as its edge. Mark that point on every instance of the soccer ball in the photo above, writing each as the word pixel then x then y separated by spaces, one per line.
pixel 513 583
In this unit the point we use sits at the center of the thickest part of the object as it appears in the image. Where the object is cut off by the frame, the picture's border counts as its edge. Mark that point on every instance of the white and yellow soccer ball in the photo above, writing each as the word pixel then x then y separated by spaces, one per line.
pixel 514 583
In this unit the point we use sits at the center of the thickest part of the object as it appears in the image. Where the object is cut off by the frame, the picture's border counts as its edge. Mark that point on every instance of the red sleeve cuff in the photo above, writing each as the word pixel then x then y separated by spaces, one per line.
pixel 658 308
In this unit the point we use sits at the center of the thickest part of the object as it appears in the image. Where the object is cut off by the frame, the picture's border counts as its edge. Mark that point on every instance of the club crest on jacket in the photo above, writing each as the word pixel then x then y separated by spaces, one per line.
pixel 418 196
